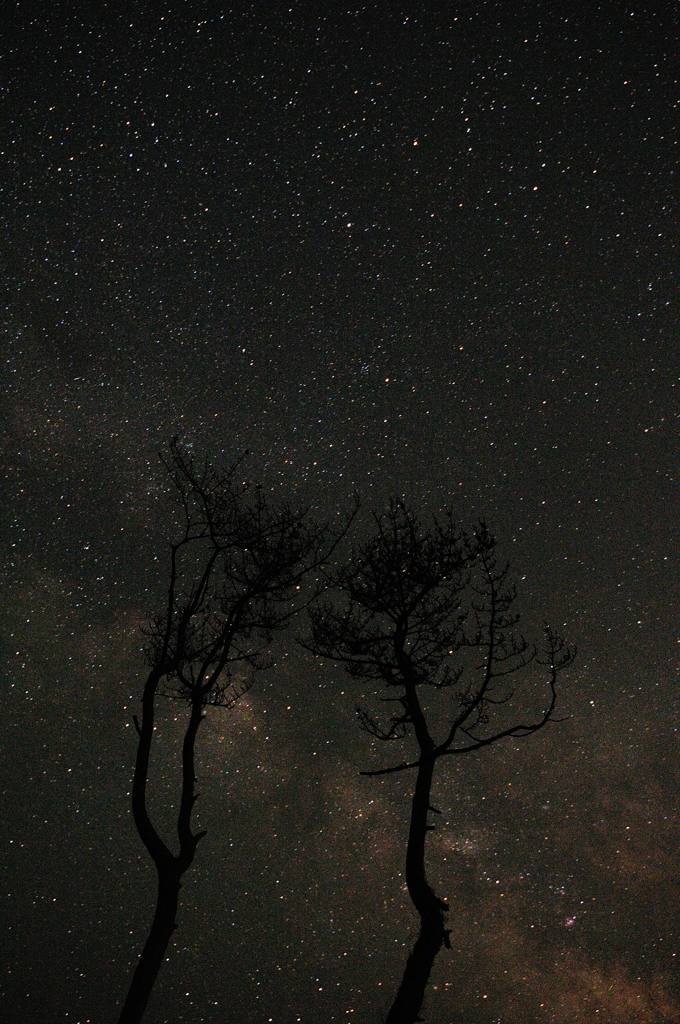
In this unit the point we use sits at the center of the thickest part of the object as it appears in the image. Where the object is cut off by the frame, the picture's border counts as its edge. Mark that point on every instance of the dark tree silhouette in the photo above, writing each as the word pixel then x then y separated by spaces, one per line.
pixel 419 608
pixel 235 577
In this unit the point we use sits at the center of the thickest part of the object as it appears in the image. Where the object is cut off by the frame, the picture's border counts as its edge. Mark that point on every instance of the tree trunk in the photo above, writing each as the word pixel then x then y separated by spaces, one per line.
pixel 151 959
pixel 433 935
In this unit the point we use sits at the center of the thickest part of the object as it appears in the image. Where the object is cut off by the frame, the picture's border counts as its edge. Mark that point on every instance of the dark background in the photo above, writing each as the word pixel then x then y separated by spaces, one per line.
pixel 418 249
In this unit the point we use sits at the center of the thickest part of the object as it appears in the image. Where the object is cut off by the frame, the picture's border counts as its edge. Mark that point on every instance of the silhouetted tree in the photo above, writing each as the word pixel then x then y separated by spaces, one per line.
pixel 418 608
pixel 235 576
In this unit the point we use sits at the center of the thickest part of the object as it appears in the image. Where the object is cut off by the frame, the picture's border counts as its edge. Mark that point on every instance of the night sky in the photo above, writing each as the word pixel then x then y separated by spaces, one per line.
pixel 410 249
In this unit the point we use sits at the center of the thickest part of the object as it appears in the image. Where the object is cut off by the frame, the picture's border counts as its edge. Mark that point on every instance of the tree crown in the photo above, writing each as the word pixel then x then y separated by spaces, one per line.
pixel 429 606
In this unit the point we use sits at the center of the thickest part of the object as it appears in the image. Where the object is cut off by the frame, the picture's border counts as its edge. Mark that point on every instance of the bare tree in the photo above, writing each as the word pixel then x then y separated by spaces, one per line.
pixel 235 577
pixel 428 613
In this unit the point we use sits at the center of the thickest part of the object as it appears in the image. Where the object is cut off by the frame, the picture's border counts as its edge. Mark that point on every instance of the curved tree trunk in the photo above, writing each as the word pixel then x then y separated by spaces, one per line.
pixel 433 935
pixel 170 868
pixel 150 961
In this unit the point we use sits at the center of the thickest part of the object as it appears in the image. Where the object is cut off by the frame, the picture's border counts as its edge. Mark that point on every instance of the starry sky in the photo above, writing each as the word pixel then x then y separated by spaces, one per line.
pixel 409 249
